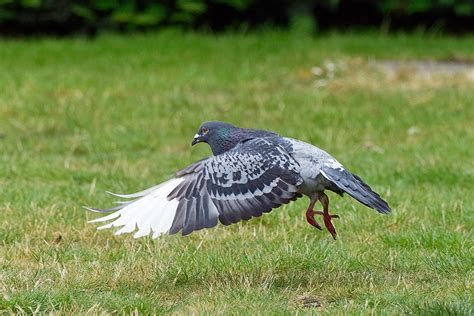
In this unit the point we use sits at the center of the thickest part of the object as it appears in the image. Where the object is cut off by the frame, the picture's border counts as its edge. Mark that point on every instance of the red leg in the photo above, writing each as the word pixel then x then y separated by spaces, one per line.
pixel 326 216
pixel 310 213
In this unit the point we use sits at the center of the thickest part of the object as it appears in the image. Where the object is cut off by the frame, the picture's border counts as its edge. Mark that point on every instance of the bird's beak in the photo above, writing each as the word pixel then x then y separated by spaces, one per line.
pixel 197 139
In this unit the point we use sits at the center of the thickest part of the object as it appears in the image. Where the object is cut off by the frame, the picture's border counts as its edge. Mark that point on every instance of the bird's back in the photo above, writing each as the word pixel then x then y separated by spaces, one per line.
pixel 311 159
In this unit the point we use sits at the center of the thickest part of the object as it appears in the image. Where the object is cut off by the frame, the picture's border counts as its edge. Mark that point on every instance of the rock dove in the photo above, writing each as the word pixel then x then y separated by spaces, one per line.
pixel 250 173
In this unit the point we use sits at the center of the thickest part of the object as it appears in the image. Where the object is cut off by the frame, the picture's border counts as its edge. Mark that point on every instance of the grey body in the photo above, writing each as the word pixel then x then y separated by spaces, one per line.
pixel 311 160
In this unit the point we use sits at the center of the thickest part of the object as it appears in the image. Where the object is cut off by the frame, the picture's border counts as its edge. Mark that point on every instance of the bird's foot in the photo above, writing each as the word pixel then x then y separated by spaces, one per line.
pixel 328 222
pixel 310 218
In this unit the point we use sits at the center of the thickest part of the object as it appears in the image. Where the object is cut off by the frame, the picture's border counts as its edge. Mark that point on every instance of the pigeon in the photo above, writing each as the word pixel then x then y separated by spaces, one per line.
pixel 250 173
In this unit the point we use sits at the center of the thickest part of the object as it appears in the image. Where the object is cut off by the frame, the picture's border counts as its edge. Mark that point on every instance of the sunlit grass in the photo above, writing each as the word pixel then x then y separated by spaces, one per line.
pixel 80 117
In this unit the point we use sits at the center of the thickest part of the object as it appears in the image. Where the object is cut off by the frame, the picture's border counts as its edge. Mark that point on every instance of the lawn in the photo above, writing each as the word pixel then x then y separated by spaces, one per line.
pixel 80 117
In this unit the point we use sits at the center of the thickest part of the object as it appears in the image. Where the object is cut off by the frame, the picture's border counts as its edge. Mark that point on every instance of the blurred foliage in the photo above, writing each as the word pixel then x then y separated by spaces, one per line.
pixel 459 7
pixel 71 16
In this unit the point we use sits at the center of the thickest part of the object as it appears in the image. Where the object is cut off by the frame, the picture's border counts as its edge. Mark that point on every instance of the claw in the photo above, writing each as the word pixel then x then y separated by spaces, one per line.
pixel 310 218
pixel 328 222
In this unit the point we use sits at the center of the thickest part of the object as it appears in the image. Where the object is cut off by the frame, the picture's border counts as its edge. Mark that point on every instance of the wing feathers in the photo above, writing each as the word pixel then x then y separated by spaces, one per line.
pixel 152 212
pixel 252 178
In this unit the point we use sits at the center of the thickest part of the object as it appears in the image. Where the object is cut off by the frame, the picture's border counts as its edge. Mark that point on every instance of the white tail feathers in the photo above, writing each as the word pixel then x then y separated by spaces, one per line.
pixel 151 212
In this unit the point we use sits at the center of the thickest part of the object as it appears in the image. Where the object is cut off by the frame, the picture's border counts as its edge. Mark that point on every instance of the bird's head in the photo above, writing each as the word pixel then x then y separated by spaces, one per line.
pixel 219 136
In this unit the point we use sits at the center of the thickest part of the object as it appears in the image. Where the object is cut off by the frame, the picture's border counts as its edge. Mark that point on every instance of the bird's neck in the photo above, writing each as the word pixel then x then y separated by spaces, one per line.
pixel 236 136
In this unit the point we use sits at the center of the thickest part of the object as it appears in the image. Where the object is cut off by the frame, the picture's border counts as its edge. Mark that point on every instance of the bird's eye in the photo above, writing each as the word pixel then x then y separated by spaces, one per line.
pixel 204 131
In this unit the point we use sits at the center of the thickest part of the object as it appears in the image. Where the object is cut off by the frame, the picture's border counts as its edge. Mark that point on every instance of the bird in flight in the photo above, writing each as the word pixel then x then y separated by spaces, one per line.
pixel 250 173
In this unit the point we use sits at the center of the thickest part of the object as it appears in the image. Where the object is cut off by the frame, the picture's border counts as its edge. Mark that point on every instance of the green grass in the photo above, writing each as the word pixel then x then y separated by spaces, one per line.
pixel 80 117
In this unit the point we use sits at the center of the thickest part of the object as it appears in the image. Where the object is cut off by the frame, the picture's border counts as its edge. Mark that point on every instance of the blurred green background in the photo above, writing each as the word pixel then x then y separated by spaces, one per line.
pixel 64 17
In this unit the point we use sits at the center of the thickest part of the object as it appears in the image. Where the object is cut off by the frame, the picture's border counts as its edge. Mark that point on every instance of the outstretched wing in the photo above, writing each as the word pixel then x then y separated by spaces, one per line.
pixel 244 182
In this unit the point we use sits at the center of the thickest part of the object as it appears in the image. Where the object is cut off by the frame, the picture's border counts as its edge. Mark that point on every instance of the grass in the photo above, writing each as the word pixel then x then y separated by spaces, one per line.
pixel 80 117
